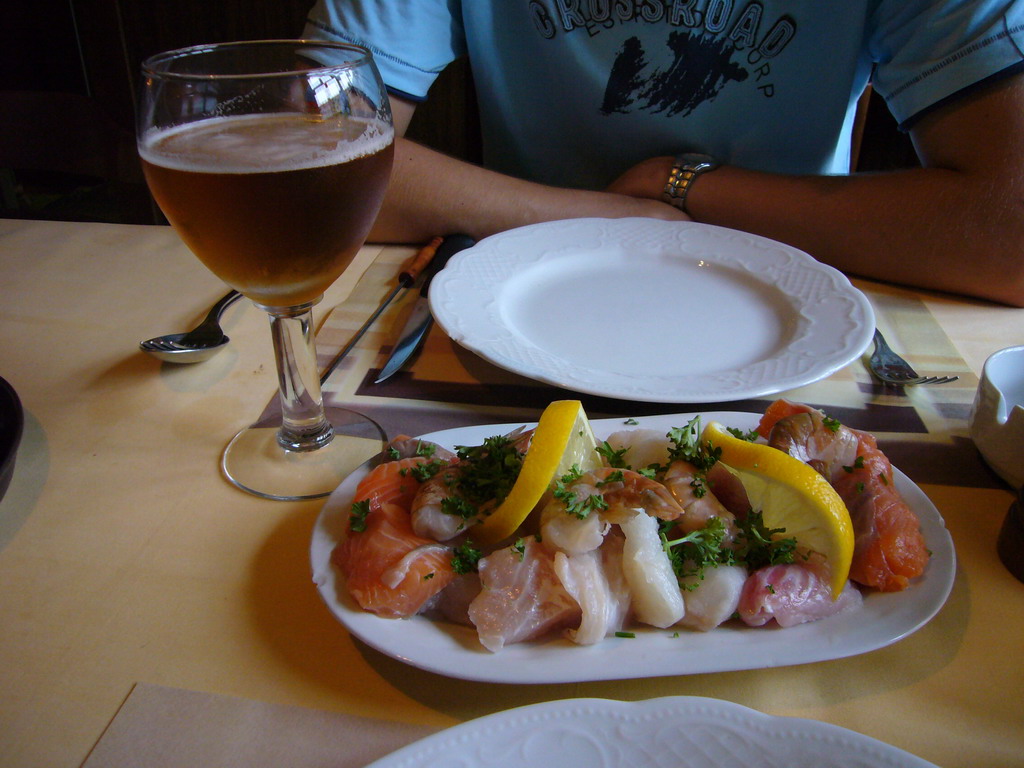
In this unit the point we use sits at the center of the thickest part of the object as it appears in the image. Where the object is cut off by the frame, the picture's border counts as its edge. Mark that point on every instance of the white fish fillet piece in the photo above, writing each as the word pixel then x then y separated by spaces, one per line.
pixel 521 598
pixel 595 580
pixel 657 599
pixel 714 598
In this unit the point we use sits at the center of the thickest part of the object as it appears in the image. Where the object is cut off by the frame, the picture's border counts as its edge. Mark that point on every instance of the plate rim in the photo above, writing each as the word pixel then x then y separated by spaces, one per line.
pixel 657 389
pixel 637 714
pixel 472 662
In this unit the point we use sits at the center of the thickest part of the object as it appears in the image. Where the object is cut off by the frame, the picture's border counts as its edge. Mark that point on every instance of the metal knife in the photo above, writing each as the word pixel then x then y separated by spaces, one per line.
pixel 419 322
pixel 406 278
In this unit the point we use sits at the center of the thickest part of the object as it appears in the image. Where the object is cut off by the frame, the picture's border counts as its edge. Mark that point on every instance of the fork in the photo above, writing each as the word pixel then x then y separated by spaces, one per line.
pixel 893 369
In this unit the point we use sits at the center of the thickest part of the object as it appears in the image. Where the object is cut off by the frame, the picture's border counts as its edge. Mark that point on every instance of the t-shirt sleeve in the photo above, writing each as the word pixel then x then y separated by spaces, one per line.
pixel 928 51
pixel 412 41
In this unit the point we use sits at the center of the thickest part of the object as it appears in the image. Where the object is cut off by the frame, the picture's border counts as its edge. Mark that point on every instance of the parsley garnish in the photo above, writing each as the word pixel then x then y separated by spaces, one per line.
pixel 750 435
pixel 631 421
pixel 831 424
pixel 453 505
pixel 357 517
pixel 520 549
pixel 697 550
pixel 574 504
pixel 858 464
pixel 488 471
pixel 756 546
pixel 465 558
pixel 423 472
pixel 686 445
pixel 615 458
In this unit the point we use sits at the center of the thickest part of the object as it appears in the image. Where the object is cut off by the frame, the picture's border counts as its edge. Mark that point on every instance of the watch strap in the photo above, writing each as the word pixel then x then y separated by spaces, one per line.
pixel 685 170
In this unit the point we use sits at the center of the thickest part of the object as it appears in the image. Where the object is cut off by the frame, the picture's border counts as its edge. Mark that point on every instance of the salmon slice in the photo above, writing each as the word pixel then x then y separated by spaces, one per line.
pixel 777 411
pixel 389 570
pixel 889 548
pixel 391 483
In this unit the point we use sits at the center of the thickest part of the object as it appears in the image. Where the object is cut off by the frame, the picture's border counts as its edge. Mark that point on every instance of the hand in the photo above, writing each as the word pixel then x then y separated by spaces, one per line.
pixel 629 205
pixel 646 179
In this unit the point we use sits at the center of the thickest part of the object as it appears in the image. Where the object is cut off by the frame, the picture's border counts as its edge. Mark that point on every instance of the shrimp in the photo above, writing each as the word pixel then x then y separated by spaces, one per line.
pixel 403 447
pixel 699 503
pixel 388 569
pixel 571 534
pixel 577 521
pixel 431 517
pixel 454 499
pixel 776 411
pixel 805 436
pixel 626 492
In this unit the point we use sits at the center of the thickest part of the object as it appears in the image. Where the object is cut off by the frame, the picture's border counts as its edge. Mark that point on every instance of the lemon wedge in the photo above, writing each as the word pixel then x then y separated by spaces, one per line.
pixel 563 437
pixel 791 495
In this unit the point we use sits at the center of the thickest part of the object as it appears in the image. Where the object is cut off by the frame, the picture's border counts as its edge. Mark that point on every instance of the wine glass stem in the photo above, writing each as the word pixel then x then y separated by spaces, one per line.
pixel 304 427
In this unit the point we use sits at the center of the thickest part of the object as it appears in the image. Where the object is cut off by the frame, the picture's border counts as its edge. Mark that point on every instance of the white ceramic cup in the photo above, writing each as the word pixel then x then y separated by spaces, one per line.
pixel 997 418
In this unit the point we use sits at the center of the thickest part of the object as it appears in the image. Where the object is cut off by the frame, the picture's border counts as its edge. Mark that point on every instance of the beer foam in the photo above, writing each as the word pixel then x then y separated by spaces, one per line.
pixel 263 143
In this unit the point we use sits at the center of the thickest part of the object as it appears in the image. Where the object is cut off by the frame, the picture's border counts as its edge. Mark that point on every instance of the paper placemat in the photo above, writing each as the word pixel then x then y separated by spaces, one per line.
pixel 161 727
pixel 924 430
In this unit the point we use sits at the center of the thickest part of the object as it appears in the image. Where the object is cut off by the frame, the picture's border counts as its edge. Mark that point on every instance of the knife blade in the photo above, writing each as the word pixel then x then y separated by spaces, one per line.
pixel 406 278
pixel 419 322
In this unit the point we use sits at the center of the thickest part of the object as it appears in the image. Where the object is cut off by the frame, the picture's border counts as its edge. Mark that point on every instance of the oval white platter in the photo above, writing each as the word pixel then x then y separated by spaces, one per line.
pixel 454 650
pixel 656 311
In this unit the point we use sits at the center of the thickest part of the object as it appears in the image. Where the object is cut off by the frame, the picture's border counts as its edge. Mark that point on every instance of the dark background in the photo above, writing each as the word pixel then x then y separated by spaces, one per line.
pixel 68 76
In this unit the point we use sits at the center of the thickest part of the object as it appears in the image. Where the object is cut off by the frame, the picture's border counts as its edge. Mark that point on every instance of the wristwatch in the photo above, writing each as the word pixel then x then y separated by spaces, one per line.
pixel 685 170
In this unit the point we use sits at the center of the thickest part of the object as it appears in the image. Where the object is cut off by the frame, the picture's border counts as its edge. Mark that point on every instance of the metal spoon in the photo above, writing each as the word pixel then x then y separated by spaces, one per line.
pixel 201 343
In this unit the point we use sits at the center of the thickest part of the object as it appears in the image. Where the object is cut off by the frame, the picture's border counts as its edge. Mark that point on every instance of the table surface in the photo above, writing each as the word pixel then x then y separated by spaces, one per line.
pixel 126 558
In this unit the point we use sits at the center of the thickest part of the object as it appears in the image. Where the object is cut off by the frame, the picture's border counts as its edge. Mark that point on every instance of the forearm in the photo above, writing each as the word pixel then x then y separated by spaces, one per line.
pixel 931 227
pixel 938 228
pixel 431 193
pixel 956 224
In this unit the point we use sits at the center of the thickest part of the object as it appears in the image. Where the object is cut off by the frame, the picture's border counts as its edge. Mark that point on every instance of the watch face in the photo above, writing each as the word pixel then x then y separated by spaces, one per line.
pixel 698 161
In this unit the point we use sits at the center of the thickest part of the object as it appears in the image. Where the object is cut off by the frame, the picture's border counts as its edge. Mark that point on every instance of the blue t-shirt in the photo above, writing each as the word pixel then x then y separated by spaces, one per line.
pixel 573 92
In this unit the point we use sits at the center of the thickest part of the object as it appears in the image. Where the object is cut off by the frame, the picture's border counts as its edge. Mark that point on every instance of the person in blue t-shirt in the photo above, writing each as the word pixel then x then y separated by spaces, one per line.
pixel 731 112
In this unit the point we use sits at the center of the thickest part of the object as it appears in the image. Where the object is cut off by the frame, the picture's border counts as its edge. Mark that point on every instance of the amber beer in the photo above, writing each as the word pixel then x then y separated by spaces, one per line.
pixel 275 205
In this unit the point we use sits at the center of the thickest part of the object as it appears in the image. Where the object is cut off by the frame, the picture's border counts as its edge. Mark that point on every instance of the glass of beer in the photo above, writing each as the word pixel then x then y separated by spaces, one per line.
pixel 270 159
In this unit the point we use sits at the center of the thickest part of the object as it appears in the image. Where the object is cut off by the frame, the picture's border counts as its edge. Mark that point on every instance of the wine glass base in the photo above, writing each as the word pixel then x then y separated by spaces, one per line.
pixel 255 461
